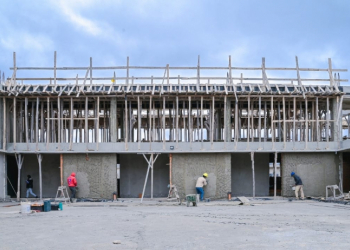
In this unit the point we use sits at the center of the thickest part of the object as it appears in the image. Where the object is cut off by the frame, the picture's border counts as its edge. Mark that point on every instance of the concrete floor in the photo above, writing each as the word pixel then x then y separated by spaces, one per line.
pixel 159 225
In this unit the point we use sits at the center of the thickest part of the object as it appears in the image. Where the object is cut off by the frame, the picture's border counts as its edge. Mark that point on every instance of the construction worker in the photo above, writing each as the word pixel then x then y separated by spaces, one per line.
pixel 72 184
pixel 298 186
pixel 29 186
pixel 201 182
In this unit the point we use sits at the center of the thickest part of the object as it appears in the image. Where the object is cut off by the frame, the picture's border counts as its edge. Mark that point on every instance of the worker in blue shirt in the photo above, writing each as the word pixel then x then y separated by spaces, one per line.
pixel 298 186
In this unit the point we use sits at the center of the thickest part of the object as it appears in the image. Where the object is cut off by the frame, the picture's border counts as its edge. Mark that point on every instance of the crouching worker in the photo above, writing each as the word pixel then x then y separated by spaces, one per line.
pixel 201 182
pixel 298 186
pixel 72 184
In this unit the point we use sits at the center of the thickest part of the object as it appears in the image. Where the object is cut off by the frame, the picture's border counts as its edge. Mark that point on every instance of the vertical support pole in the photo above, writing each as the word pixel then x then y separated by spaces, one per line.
pixel 317 123
pixel 279 121
pixel 59 139
pixel 150 120
pixel 198 74
pixel 138 123
pixel 152 176
pixel 90 71
pixel 248 118
pixel 54 67
pixel 97 122
pixel 36 123
pixel 41 122
pixel 202 121
pixel 177 121
pixel 341 171
pixel 327 121
pixel 294 120
pixel 127 70
pixel 265 122
pixel 71 124
pixel 61 168
pixel 39 156
pixel 259 125
pixel 86 129
pixel 190 127
pixel 212 122
pixel 26 120
pixel 306 123
pixel 19 160
pixel 126 121
pixel 226 127
pixel 275 177
pixel 163 121
pixel 284 121
pixel 253 172
pixel 14 123
pixel 170 169
pixel 272 127
pixel 237 118
pixel 47 123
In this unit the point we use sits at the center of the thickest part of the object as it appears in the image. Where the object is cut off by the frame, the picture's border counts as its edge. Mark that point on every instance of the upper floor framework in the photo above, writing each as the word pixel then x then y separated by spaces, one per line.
pixel 225 110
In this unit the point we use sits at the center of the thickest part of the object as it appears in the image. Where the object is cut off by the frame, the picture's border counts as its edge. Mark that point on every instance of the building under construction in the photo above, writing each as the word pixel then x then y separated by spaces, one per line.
pixel 119 127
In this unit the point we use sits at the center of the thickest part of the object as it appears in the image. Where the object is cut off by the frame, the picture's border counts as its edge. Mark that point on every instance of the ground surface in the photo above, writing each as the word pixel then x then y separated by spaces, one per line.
pixel 213 225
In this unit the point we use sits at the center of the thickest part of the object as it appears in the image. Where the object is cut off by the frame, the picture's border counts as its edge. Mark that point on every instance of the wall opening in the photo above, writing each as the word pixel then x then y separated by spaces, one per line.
pixel 12 175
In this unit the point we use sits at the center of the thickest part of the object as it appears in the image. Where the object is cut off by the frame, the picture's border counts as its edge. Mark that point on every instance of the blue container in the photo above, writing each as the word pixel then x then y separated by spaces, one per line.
pixel 47 206
pixel 60 206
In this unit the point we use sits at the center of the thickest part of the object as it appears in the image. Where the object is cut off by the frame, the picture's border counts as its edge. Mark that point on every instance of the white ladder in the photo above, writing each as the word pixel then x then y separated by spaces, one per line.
pixel 63 196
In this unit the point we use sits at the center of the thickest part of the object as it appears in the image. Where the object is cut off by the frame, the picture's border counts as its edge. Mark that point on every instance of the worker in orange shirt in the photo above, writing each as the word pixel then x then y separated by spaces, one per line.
pixel 72 184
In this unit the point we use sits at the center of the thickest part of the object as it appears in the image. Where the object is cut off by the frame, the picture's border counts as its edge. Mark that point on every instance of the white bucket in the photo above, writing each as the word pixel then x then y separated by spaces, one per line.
pixel 25 207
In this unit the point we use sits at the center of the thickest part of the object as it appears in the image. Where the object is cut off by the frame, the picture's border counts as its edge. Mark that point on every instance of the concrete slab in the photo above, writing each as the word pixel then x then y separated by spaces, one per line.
pixel 281 224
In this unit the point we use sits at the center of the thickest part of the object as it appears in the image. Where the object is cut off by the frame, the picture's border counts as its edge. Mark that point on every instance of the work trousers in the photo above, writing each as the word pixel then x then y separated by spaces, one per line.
pixel 30 190
pixel 297 188
pixel 200 191
pixel 73 191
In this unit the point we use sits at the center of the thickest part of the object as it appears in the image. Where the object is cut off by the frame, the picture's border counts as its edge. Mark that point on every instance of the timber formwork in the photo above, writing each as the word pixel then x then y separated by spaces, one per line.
pixel 219 109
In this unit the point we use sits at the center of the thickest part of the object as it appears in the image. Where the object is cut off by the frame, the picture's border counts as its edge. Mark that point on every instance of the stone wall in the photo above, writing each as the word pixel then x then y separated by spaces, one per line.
pixel 186 169
pixel 316 170
pixel 96 174
pixel 242 177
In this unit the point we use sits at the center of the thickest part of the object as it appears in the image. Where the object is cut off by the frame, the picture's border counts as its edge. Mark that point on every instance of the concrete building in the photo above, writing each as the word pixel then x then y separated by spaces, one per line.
pixel 170 129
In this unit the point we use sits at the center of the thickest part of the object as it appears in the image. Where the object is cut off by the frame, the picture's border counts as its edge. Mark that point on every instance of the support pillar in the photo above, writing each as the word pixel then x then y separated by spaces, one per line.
pixel 228 126
pixel 113 120
pixel 40 158
pixel 19 159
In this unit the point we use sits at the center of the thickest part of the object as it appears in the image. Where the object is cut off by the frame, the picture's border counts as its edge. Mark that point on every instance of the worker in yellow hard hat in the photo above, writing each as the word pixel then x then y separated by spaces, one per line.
pixel 201 182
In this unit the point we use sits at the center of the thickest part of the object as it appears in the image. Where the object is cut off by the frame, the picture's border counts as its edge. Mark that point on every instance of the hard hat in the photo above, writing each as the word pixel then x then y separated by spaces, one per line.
pixel 205 175
pixel 292 173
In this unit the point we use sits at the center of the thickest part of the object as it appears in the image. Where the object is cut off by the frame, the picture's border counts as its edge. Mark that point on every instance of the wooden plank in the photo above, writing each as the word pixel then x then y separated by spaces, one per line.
pixel 126 122
pixel 150 137
pixel 177 121
pixel 306 123
pixel 212 121
pixel 59 121
pixel 294 121
pixel 26 120
pixel 248 119
pixel 259 125
pixel 237 118
pixel 190 126
pixel 265 122
pixel 225 119
pixel 272 128
pixel 327 121
pixel 317 123
pixel 42 128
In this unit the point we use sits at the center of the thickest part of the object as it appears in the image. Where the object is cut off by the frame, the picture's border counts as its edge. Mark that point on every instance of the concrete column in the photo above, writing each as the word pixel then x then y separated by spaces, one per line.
pixel 334 115
pixel 3 179
pixel 228 125
pixel 113 120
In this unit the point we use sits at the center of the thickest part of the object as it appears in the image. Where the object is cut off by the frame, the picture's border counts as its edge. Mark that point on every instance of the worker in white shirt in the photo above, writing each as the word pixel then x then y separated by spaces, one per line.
pixel 201 182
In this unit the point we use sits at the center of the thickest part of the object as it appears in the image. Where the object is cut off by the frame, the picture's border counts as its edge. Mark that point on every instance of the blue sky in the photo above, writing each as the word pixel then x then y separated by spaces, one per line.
pixel 156 33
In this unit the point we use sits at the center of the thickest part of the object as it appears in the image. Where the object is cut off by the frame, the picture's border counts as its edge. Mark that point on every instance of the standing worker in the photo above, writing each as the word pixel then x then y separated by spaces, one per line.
pixel 29 186
pixel 201 182
pixel 298 186
pixel 72 184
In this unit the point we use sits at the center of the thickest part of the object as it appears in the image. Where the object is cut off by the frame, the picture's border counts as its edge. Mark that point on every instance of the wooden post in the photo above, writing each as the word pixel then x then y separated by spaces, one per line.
pixel 272 127
pixel 190 127
pixel 253 172
pixel 306 123
pixel 86 129
pixel 259 125
pixel 71 124
pixel 90 72
pixel 275 177
pixel 265 122
pixel 152 176
pixel 19 160
pixel 14 123
pixel 59 139
pixel 48 123
pixel 61 168
pixel 248 127
pixel 177 121
pixel 212 121
pixel 54 66
pixel 170 169
pixel 284 121
pixel 225 120
pixel 39 156
pixel 126 122
pixel 97 122
pixel 294 118
pixel 26 120
pixel 327 121
pixel 138 123
pixel 36 123
pixel 163 121
pixel 236 123
pixel 202 121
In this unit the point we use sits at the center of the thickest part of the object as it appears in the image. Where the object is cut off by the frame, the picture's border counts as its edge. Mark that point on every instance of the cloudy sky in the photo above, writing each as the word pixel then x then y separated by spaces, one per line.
pixel 160 32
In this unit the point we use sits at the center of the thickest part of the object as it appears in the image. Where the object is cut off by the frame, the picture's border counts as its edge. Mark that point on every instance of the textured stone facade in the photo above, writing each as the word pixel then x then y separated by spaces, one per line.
pixel 96 174
pixel 317 170
pixel 186 168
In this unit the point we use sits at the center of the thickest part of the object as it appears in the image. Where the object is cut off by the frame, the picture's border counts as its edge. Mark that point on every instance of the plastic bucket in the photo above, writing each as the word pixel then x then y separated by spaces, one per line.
pixel 25 207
